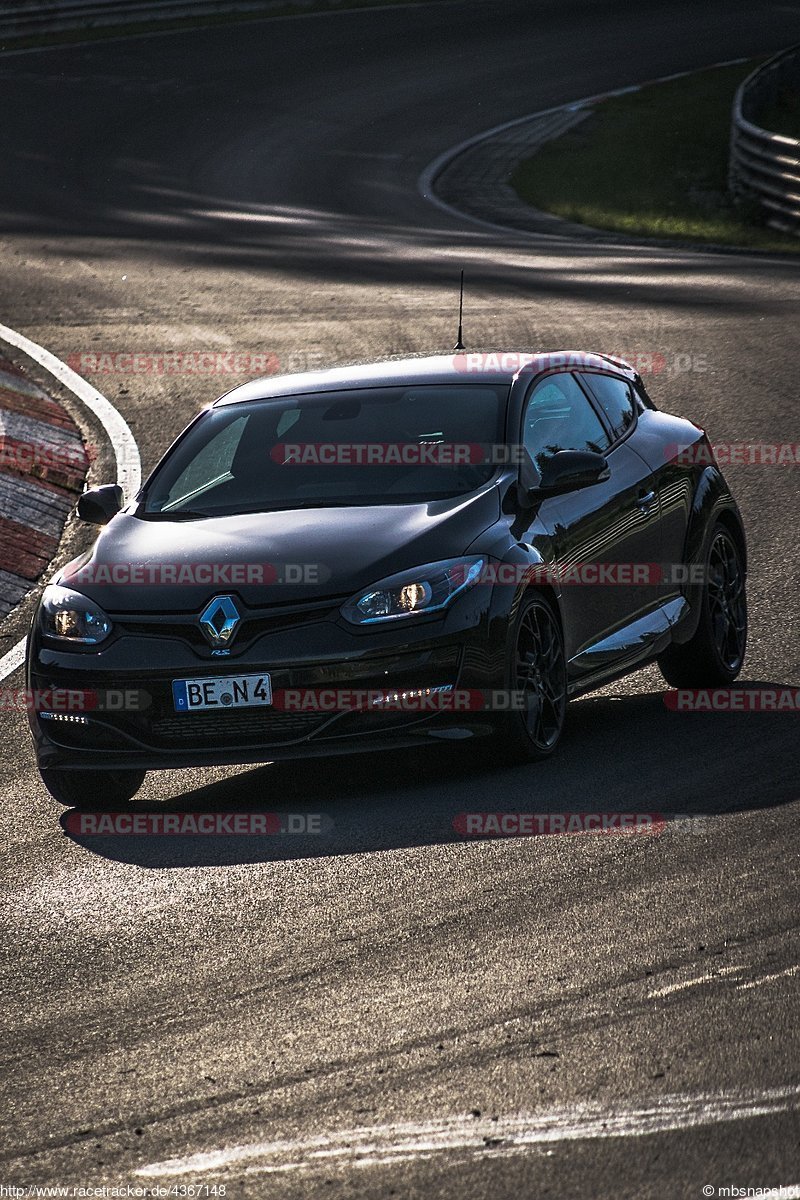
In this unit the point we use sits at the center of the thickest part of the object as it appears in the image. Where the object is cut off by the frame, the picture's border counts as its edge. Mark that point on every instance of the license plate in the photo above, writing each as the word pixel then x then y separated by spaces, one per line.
pixel 232 691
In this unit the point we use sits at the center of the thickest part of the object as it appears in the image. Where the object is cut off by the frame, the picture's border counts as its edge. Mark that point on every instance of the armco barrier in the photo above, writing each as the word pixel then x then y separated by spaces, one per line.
pixel 765 166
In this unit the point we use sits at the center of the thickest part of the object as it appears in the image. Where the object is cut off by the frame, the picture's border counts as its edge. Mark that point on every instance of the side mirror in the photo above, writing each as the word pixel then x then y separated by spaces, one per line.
pixel 564 471
pixel 99 505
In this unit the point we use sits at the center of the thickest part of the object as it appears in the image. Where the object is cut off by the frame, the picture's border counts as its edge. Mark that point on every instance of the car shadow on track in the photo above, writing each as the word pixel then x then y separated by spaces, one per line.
pixel 623 754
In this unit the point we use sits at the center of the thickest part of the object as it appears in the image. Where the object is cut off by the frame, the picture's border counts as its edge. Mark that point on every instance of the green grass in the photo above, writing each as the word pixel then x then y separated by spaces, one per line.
pixel 99 32
pixel 653 163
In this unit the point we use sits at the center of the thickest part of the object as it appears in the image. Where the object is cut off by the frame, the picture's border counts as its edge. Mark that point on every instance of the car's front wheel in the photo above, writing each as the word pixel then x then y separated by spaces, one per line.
pixel 715 654
pixel 537 681
pixel 92 789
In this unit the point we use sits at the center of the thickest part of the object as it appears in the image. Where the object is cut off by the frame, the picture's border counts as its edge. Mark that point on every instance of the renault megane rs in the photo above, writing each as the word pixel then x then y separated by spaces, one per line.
pixel 383 556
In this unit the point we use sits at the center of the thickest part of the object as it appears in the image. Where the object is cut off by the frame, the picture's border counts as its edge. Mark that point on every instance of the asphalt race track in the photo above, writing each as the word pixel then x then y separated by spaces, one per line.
pixel 386 1008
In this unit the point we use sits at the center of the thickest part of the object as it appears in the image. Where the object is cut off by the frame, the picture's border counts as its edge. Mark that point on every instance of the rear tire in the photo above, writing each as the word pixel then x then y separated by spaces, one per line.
pixel 715 654
pixel 536 673
pixel 92 789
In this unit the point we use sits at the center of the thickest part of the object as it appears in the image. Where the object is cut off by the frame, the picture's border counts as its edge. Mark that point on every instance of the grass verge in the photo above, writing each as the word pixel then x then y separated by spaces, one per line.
pixel 652 163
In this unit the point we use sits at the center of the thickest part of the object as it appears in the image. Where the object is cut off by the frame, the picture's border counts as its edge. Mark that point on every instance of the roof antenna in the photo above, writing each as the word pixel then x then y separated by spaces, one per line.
pixel 460 343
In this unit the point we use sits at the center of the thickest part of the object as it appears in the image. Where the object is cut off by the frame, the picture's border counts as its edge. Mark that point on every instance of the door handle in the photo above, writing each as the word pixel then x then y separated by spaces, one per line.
pixel 645 501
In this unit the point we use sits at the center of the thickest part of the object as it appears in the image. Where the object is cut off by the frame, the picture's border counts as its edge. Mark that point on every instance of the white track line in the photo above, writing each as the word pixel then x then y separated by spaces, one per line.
pixel 754 983
pixel 427 180
pixel 518 1133
pixel 126 452
pixel 709 977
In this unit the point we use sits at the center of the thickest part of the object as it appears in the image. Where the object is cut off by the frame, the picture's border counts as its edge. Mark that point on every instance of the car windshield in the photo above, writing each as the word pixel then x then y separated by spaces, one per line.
pixel 357 447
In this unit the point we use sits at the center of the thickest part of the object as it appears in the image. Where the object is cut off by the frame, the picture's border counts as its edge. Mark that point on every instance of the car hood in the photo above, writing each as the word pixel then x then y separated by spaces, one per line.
pixel 139 565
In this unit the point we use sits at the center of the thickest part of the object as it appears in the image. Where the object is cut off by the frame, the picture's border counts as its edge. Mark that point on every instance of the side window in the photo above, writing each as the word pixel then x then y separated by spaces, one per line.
pixel 558 416
pixel 616 399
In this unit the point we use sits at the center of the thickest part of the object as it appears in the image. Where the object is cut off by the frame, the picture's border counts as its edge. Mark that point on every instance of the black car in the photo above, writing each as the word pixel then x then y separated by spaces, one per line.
pixel 383 556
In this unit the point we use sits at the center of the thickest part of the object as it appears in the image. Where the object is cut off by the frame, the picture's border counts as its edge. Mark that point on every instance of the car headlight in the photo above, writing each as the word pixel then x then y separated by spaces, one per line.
pixel 421 590
pixel 68 616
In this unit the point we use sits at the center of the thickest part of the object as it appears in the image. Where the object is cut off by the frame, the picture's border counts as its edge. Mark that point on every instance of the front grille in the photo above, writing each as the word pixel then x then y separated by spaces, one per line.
pixel 206 729
pixel 186 628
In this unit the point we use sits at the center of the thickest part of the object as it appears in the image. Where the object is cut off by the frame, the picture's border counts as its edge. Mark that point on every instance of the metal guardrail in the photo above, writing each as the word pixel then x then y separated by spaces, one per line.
pixel 765 166
pixel 27 18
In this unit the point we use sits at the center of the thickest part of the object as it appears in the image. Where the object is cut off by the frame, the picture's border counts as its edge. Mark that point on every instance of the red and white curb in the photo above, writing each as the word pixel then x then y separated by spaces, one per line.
pixel 43 464
pixel 29 418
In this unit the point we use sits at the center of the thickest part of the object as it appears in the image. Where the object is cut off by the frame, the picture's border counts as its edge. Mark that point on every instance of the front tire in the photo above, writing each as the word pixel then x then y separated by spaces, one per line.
pixel 715 654
pixel 92 790
pixel 536 674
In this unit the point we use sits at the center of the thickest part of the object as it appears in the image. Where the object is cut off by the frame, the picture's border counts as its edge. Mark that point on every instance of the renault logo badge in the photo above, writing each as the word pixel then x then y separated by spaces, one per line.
pixel 219 620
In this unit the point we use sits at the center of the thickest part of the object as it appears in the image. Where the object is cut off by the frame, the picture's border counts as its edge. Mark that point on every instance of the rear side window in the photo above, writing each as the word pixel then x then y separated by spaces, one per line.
pixel 615 397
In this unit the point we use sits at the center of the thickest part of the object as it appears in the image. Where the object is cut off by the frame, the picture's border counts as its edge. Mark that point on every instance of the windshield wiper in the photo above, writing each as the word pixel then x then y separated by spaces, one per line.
pixel 192 514
pixel 179 514
pixel 311 504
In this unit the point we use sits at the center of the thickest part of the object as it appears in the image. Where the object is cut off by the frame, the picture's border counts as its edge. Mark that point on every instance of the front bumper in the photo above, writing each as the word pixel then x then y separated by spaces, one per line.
pixel 463 652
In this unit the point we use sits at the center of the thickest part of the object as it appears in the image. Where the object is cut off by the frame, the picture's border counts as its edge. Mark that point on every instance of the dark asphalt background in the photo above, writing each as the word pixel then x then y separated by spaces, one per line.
pixel 254 188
